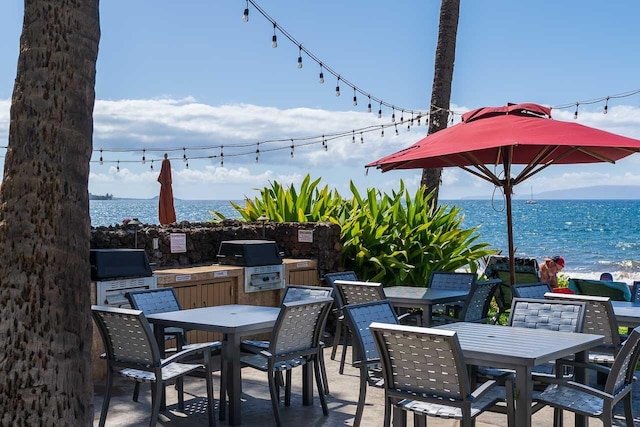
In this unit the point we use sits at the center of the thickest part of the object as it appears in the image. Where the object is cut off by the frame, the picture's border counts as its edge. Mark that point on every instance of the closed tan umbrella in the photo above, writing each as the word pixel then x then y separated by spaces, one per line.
pixel 166 211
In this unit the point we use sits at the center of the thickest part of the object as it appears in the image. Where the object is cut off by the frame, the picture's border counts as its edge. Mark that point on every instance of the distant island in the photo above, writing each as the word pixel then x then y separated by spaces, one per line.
pixel 100 196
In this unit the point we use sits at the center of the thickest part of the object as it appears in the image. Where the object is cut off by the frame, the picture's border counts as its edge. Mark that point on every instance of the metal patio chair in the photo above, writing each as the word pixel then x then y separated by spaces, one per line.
pixel 425 373
pixel 356 292
pixel 476 307
pixel 294 293
pixel 160 300
pixel 294 342
pixel 564 395
pixel 341 331
pixel 358 318
pixel 132 352
pixel 451 280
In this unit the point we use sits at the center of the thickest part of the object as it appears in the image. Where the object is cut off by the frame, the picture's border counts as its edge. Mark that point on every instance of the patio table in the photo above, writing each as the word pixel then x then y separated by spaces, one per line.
pixel 233 321
pixel 627 313
pixel 424 298
pixel 521 349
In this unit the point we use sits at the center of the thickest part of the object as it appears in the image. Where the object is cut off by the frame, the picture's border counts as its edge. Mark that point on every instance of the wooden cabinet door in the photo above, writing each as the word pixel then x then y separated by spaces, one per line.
pixel 211 294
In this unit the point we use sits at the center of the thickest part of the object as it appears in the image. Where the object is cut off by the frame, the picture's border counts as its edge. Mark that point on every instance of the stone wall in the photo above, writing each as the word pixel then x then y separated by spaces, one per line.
pixel 203 241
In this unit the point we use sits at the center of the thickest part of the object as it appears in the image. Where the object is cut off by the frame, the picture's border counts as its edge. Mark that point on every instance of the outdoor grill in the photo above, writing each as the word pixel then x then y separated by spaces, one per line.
pixel 261 259
pixel 118 271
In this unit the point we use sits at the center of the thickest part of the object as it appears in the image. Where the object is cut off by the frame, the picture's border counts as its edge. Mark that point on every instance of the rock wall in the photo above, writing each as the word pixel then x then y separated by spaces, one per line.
pixel 203 240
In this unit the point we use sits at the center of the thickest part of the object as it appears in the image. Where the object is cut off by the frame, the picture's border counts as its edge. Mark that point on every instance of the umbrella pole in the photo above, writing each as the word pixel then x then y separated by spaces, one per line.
pixel 508 190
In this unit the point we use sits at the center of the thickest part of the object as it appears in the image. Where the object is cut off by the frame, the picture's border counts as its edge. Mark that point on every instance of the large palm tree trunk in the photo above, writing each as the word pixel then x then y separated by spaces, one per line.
pixel 442 79
pixel 45 323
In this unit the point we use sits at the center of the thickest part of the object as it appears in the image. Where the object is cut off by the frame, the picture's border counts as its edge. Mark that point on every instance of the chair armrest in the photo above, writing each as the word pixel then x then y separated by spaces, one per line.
pixel 593 366
pixel 577 386
pixel 194 349
pixel 485 387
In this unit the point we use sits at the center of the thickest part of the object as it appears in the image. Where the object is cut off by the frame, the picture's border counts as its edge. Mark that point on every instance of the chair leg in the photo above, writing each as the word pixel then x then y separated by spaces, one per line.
pixel 323 372
pixel 136 392
pixel 628 409
pixel 344 351
pixel 419 420
pixel 287 388
pixel 557 417
pixel 274 396
pixel 362 396
pixel 107 398
pixel 321 395
pixel 156 398
pixel 222 406
pixel 336 339
pixel 180 391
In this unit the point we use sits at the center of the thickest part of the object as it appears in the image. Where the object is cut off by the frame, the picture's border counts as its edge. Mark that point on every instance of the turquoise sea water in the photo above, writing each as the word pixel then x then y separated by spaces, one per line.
pixel 592 235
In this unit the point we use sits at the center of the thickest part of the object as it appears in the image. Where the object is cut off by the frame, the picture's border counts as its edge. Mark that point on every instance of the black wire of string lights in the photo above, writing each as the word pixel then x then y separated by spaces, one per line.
pixel 604 99
pixel 325 68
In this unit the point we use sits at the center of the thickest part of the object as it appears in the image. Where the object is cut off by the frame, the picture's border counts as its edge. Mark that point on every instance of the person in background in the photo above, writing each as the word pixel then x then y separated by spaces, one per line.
pixel 606 276
pixel 549 270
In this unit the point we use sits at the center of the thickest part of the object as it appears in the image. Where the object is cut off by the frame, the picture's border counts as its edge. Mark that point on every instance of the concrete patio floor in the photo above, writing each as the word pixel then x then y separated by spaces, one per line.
pixel 256 405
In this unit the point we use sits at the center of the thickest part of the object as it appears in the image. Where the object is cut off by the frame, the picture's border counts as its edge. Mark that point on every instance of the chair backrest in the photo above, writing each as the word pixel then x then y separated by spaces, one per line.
pixel 599 318
pixel 152 301
pixel 624 366
pixel 617 291
pixel 530 290
pixel 354 292
pixel 330 279
pixel 358 318
pixel 127 337
pixel 303 292
pixel 299 326
pixel 452 280
pixel 527 271
pixel 422 362
pixel 635 291
pixel 567 316
pixel 476 306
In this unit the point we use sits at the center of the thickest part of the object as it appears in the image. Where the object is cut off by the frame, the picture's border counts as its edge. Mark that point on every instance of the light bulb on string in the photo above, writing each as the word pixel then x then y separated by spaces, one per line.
pixel 402 117
pixel 380 111
pixel 369 106
pixel 144 160
pixel 101 160
pixel 338 87
pixel 274 39
pixel 575 115
pixel 361 138
pixel 411 122
pixel 355 99
pixel 419 117
pixel 221 156
pixel 353 136
pixel 258 153
pixel 396 125
pixel 292 147
pixel 382 132
pixel 321 74
pixel 118 166
pixel 393 114
pixel 186 165
pixel 152 165
pixel 606 106
pixel 452 115
pixel 184 154
pixel 245 15
pixel 300 57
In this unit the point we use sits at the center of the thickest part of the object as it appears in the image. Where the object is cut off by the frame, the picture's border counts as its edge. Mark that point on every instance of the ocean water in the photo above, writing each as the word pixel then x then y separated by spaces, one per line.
pixel 592 235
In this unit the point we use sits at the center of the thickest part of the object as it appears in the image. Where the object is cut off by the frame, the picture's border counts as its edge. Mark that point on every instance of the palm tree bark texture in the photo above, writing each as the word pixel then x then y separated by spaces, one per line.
pixel 442 80
pixel 45 322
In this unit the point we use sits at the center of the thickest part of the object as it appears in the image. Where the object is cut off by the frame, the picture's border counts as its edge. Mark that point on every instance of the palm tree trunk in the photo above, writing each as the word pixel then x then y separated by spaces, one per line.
pixel 442 80
pixel 45 323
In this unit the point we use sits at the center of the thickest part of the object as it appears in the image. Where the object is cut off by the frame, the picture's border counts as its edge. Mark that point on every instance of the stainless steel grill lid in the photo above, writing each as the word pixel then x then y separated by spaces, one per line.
pixel 119 263
pixel 249 253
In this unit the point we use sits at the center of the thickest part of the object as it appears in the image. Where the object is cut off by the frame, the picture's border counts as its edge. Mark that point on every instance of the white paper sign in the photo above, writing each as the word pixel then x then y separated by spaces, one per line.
pixel 305 236
pixel 178 243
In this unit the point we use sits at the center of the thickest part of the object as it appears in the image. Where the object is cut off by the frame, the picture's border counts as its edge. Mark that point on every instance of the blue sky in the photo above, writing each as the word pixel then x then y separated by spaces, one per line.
pixel 192 74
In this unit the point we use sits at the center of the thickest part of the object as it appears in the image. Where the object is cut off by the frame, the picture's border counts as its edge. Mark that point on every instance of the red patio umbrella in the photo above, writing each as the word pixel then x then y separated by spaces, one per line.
pixel 517 134
pixel 166 210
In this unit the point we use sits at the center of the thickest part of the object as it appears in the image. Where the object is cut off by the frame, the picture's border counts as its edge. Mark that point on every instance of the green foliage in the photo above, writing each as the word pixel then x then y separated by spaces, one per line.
pixel 395 238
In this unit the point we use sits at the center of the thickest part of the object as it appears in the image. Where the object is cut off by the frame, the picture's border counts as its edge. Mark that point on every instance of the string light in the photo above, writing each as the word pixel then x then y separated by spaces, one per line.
pixel 144 160
pixel 151 165
pixel 245 15
pixel 369 105
pixel 402 117
pixel 353 136
pixel 575 115
pixel 101 160
pixel 118 166
pixel 338 87
pixel 321 74
pixel 382 132
pixel 355 98
pixel 393 114
pixel 606 106
pixel 184 155
pixel 221 156
pixel 292 146
pixel 274 39
pixel 361 138
pixel 380 111
pixel 396 125
pixel 257 152
pixel 300 57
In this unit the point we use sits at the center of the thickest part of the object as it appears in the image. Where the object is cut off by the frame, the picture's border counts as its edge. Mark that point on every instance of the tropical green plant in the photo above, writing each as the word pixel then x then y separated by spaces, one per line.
pixel 395 238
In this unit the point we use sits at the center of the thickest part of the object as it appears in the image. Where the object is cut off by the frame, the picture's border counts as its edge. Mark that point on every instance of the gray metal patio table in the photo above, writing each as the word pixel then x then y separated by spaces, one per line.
pixel 233 321
pixel 627 313
pixel 521 349
pixel 424 298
